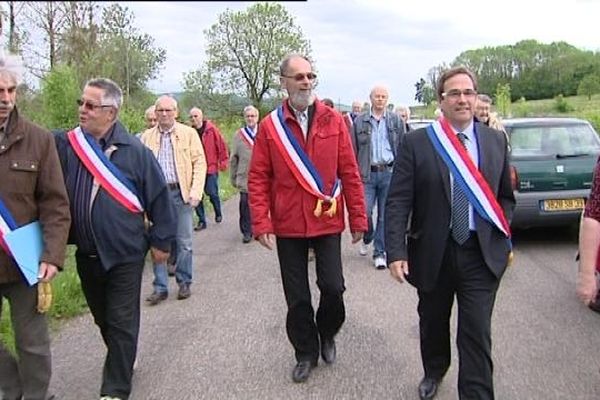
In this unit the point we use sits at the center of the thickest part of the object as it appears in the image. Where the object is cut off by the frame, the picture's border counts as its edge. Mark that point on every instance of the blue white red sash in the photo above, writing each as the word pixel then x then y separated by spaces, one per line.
pixel 301 166
pixel 247 136
pixel 117 185
pixel 7 224
pixel 463 170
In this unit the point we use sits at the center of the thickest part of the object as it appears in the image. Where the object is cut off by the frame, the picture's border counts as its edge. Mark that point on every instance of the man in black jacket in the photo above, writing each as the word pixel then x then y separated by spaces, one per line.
pixel 112 240
pixel 444 245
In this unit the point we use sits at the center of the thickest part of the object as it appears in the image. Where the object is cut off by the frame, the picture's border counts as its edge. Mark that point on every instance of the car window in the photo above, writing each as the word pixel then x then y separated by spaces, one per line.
pixel 562 140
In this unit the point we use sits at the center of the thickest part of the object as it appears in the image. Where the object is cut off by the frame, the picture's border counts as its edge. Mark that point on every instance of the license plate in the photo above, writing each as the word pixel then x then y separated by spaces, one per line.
pixel 563 204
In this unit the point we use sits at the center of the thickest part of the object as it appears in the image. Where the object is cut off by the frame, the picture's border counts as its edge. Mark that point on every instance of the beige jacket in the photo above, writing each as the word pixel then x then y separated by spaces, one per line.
pixel 190 162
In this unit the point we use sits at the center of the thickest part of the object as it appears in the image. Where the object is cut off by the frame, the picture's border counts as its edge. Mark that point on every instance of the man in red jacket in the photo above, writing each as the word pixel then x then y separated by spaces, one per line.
pixel 302 172
pixel 217 159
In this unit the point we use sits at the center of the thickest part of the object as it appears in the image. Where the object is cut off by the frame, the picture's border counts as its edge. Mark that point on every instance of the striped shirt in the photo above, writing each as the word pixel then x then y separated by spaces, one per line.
pixel 166 157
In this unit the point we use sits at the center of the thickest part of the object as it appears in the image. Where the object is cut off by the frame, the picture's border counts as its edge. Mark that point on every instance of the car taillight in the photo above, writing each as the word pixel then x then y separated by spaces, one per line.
pixel 514 178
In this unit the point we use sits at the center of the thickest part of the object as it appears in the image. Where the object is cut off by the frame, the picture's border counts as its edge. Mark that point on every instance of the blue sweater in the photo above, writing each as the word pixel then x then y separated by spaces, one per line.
pixel 120 236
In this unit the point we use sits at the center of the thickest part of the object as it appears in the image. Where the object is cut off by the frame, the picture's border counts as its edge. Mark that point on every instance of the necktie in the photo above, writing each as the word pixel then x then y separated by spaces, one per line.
pixel 460 207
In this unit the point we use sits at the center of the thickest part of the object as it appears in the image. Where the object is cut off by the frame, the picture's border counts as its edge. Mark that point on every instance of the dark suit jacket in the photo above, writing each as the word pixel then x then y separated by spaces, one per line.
pixel 417 212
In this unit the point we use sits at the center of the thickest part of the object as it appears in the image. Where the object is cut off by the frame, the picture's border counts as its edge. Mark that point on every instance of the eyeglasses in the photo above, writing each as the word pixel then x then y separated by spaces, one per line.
pixel 455 94
pixel 300 77
pixel 163 110
pixel 90 106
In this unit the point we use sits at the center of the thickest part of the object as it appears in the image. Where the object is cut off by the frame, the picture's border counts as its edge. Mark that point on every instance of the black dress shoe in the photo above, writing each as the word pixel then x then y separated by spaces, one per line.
pixel 328 350
pixel 302 371
pixel 428 388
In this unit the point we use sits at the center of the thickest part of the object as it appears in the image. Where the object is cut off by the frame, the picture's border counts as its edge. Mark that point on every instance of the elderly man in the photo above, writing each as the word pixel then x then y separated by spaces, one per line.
pixel 404 113
pixel 31 188
pixel 484 114
pixel 113 183
pixel 302 209
pixel 241 151
pixel 447 233
pixel 217 158
pixel 376 134
pixel 181 158
pixel 149 118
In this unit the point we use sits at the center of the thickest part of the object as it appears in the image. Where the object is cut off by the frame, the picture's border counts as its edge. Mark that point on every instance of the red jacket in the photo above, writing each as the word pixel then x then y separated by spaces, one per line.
pixel 279 205
pixel 215 149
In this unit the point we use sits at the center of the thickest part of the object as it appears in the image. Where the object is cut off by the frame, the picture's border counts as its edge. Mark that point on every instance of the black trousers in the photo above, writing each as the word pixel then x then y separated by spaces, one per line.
pixel 465 275
pixel 302 328
pixel 114 300
pixel 245 221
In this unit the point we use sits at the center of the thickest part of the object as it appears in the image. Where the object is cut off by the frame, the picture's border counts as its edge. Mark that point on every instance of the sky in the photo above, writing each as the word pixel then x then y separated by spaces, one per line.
pixel 357 44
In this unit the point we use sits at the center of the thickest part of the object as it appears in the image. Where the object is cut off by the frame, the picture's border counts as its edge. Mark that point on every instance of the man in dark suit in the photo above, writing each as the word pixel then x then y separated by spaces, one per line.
pixel 442 251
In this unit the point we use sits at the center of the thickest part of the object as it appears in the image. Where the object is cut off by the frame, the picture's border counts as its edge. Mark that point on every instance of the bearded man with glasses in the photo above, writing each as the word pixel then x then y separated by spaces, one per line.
pixel 302 176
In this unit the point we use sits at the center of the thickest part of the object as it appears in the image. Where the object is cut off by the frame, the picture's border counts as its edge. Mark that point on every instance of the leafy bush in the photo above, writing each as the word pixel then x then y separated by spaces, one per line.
pixel 132 119
pixel 503 100
pixel 60 91
pixel 562 105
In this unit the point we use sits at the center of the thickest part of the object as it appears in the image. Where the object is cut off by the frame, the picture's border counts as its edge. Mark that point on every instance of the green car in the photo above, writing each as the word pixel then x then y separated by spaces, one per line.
pixel 552 163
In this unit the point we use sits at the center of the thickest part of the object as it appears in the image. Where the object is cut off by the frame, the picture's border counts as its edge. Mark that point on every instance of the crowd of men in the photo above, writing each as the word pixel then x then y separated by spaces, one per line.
pixel 442 196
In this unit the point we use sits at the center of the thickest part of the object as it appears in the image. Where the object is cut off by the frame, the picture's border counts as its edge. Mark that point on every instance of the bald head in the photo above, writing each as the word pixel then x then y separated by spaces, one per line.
pixel 197 117
pixel 379 99
pixel 166 111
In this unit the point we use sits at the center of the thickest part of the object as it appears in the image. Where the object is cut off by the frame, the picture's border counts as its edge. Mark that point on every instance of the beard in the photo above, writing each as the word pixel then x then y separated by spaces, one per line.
pixel 302 99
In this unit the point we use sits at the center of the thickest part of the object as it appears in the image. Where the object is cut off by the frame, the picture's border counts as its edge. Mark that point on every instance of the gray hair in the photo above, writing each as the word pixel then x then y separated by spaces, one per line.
pixel 484 98
pixel 285 63
pixel 11 65
pixel 249 108
pixel 113 96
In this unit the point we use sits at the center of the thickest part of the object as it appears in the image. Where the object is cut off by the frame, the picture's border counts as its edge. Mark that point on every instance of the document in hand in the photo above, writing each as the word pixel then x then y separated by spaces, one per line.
pixel 26 246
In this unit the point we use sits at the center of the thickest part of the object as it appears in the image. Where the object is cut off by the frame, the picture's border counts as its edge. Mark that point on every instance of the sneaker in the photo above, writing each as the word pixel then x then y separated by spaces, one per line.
pixel 364 249
pixel 380 262
pixel 156 298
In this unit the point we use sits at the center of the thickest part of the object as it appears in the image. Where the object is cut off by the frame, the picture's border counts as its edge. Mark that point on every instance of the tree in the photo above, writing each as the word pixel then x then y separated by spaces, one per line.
pixel 503 99
pixel 589 85
pixel 425 94
pixel 245 48
pixel 60 91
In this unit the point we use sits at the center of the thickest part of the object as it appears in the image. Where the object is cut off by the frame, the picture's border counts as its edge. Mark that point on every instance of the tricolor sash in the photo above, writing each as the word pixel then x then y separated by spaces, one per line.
pixel 117 185
pixel 463 170
pixel 247 136
pixel 301 166
pixel 7 224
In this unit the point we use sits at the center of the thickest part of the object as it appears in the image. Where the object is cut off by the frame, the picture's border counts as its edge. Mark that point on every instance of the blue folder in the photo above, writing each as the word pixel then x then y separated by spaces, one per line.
pixel 26 245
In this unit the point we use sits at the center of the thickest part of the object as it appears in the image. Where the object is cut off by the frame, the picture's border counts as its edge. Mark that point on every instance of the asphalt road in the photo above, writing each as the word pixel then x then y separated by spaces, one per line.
pixel 228 340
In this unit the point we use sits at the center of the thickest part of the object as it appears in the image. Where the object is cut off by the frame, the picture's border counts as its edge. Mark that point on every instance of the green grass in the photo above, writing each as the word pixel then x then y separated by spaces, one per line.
pixel 68 300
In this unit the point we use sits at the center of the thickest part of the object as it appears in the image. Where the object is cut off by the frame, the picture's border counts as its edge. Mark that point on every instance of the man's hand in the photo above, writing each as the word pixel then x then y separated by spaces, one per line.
pixel 47 271
pixel 194 201
pixel 399 270
pixel 267 240
pixel 356 236
pixel 586 287
pixel 159 256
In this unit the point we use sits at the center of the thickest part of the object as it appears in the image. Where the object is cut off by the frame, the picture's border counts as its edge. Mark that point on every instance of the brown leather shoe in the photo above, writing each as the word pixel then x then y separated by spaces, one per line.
pixel 184 292
pixel 156 298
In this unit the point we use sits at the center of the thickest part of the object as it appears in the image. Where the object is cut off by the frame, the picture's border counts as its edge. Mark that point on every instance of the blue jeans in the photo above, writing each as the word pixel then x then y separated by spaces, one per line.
pixel 211 188
pixel 183 272
pixel 376 190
